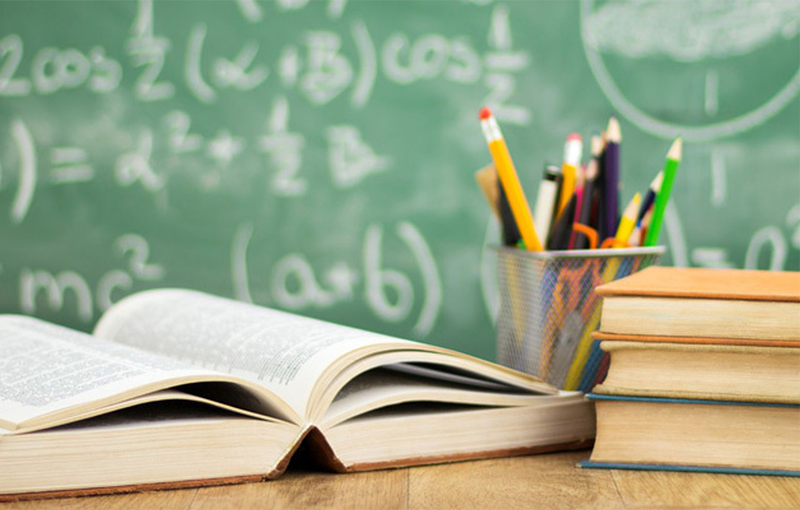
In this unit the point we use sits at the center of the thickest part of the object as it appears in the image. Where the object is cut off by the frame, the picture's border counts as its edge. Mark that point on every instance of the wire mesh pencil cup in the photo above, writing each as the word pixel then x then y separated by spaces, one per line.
pixel 548 310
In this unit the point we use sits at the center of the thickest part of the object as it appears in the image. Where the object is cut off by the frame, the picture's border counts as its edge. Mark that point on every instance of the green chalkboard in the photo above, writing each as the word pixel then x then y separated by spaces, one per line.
pixel 318 156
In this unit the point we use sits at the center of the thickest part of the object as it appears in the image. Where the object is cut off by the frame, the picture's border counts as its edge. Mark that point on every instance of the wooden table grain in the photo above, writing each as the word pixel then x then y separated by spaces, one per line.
pixel 543 481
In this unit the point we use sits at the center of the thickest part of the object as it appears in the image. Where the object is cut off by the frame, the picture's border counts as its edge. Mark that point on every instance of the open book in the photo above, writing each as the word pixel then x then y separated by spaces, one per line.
pixel 180 388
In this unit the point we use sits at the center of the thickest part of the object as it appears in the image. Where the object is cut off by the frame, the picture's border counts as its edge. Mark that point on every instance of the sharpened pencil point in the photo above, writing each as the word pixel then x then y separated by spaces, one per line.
pixel 633 206
pixel 485 113
pixel 656 184
pixel 613 132
pixel 591 170
pixel 676 150
pixel 597 145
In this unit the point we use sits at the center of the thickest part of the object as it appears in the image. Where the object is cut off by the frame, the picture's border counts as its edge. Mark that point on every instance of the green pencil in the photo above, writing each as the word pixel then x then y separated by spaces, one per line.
pixel 670 169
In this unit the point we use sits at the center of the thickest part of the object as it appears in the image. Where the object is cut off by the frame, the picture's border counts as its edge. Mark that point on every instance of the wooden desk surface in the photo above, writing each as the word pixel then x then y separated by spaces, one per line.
pixel 544 481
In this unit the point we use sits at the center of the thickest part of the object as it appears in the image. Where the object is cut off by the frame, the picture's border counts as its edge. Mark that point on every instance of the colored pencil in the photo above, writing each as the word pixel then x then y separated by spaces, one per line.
pixel 645 225
pixel 545 202
pixel 628 222
pixel 573 148
pixel 635 239
pixel 650 197
pixel 579 187
pixel 487 181
pixel 660 205
pixel 589 189
pixel 511 234
pixel 563 229
pixel 611 169
pixel 559 182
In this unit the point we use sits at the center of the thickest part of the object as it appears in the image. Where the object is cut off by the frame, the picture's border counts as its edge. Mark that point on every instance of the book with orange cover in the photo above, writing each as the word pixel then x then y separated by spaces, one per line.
pixel 708 284
pixel 703 372
pixel 177 388
pixel 696 305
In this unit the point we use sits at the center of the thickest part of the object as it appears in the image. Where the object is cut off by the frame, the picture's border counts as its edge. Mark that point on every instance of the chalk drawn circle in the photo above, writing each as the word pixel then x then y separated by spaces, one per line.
pixel 669 130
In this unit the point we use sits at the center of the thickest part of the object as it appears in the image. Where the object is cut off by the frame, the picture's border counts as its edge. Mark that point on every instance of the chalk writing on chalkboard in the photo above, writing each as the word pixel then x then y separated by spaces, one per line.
pixel 112 285
pixel 318 156
pixel 389 293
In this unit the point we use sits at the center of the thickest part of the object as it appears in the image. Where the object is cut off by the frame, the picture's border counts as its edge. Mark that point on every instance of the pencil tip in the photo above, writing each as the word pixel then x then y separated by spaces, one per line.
pixel 484 113
pixel 597 145
pixel 656 184
pixel 613 132
pixel 633 206
pixel 676 150
pixel 591 170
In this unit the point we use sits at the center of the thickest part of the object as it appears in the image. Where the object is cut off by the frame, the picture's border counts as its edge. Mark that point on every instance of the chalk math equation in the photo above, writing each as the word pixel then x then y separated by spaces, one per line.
pixel 178 79
pixel 281 152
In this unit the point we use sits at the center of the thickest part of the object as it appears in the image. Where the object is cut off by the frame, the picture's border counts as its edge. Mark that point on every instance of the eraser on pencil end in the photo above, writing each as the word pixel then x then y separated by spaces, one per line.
pixel 573 149
pixel 485 113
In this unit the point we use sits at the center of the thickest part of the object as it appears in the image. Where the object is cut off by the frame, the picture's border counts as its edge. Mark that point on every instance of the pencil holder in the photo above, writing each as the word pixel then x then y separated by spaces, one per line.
pixel 549 310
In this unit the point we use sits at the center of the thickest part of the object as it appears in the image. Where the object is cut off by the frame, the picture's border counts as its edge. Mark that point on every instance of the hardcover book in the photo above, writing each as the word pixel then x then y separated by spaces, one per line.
pixel 702 371
pixel 178 388
pixel 734 306
pixel 696 435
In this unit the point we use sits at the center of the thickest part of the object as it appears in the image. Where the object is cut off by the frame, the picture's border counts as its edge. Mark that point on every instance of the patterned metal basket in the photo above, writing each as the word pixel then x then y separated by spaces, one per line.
pixel 548 310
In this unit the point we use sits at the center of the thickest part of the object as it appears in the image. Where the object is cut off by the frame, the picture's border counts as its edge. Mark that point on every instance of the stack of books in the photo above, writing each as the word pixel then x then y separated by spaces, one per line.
pixel 704 372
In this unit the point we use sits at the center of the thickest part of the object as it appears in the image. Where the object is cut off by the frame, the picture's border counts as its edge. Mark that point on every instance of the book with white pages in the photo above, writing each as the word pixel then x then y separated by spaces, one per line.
pixel 177 388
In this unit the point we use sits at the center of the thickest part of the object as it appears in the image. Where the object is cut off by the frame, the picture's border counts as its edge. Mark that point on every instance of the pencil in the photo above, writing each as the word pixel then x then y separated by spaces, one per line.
pixel 579 187
pixel 650 197
pixel 545 202
pixel 486 178
pixel 563 229
pixel 590 177
pixel 660 205
pixel 559 182
pixel 627 222
pixel 572 158
pixel 510 180
pixel 582 352
pixel 511 234
pixel 636 236
pixel 611 170
pixel 644 225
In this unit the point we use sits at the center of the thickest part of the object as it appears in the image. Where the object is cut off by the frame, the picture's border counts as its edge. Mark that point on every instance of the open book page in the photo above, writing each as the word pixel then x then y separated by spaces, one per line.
pixel 401 383
pixel 285 353
pixel 46 368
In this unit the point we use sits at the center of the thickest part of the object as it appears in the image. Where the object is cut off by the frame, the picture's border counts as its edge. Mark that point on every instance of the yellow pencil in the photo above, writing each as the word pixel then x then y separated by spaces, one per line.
pixel 510 180
pixel 575 372
pixel 628 222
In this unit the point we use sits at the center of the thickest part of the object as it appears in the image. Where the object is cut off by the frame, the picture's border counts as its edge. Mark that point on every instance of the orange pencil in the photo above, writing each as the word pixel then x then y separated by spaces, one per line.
pixel 510 180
